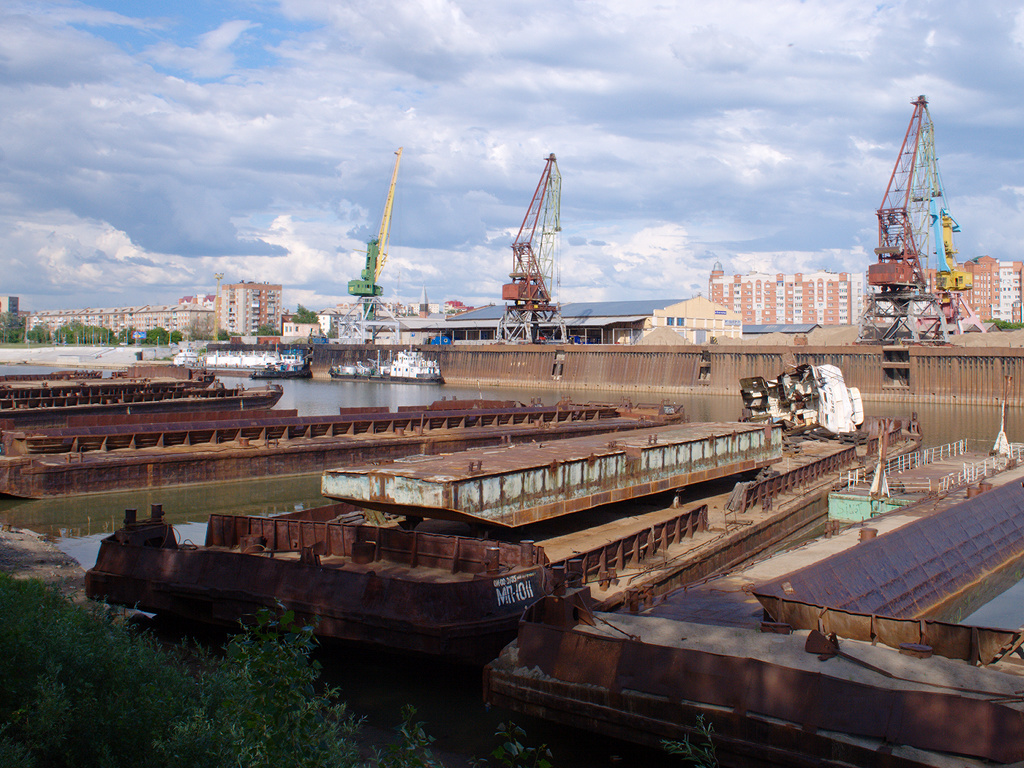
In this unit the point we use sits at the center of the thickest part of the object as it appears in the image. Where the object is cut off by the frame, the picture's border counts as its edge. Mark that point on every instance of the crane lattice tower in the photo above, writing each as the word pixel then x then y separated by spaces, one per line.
pixel 531 314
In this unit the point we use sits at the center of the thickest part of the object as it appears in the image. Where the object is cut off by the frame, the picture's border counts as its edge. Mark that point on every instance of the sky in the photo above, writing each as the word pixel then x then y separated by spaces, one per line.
pixel 147 146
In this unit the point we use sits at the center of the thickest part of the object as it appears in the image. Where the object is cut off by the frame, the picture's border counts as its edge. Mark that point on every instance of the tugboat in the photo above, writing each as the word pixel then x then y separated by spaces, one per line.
pixel 412 365
pixel 407 366
pixel 293 364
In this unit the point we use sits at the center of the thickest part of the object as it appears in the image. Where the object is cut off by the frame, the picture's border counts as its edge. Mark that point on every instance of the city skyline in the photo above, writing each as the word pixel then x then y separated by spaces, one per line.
pixel 148 147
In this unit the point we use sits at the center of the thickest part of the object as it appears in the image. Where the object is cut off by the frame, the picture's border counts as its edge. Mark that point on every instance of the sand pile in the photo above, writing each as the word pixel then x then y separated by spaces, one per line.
pixel 662 336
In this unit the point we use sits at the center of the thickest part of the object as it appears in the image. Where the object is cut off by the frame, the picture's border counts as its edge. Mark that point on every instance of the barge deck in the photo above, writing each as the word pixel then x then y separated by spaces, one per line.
pixel 100 458
pixel 517 485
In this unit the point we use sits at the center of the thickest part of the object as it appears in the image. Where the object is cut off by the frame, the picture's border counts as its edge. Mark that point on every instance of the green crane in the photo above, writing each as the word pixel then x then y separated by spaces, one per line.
pixel 367 287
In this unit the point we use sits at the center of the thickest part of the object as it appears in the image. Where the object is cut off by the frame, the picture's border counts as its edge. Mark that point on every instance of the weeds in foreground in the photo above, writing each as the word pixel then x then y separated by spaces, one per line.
pixel 701 755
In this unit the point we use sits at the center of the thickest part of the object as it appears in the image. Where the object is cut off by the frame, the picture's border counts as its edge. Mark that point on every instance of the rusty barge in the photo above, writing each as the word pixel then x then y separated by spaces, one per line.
pixel 427 587
pixel 447 596
pixel 90 457
pixel 847 651
pixel 50 403
pixel 520 484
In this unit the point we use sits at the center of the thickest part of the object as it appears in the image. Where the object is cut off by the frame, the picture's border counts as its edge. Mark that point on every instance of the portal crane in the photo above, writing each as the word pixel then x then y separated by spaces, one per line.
pixel 370 316
pixel 902 308
pixel 377 248
pixel 531 311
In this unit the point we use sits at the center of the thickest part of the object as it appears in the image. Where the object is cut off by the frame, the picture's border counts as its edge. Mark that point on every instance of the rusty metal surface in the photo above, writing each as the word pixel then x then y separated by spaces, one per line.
pixel 263 428
pixel 604 563
pixel 621 676
pixel 894 588
pixel 978 645
pixel 428 593
pixel 61 474
pixel 911 571
pixel 762 492
pixel 526 483
pixel 50 405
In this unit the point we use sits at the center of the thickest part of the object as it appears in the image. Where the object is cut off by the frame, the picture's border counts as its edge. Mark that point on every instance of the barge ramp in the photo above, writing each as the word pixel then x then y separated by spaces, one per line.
pixel 102 458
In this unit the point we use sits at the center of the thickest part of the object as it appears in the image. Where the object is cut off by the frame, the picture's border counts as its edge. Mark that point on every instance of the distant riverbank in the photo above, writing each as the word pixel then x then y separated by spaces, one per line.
pixel 92 357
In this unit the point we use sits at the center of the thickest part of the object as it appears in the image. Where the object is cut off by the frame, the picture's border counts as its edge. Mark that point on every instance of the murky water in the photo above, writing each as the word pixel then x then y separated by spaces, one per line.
pixel 376 684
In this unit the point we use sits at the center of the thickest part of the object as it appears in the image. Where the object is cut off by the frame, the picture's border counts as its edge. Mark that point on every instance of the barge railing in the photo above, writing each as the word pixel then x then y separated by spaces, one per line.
pixel 264 431
pixel 762 492
pixel 605 563
pixel 971 472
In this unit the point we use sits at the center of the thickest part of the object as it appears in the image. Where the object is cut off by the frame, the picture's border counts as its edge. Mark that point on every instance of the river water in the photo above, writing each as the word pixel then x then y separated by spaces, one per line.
pixel 377 685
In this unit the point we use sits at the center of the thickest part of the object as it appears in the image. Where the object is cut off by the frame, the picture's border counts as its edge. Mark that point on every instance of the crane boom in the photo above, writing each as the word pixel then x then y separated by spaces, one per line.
pixel 377 248
pixel 531 312
pixel 913 223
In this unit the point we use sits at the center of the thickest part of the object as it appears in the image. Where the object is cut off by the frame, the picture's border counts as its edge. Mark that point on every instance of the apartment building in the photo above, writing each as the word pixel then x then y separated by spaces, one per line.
pixel 9 304
pixel 244 307
pixel 996 291
pixel 171 317
pixel 762 298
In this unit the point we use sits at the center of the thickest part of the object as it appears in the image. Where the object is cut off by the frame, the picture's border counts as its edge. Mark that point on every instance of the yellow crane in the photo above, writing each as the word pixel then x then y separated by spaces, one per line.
pixel 377 248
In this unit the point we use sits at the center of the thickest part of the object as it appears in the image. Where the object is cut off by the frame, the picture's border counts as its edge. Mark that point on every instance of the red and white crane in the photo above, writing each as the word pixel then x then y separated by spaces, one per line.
pixel 531 313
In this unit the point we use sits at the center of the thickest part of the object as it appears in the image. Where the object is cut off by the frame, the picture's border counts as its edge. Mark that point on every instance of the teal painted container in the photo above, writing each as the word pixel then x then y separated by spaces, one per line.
pixel 857 507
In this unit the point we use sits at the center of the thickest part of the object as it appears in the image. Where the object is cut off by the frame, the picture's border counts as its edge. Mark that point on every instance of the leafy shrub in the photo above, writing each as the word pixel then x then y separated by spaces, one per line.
pixel 79 688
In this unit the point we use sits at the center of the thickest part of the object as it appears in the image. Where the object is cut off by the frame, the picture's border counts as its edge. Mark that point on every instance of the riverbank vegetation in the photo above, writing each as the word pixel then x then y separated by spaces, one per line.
pixel 79 686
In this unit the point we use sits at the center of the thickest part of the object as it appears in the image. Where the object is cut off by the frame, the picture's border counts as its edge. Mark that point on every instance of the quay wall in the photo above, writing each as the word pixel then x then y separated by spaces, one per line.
pixel 912 374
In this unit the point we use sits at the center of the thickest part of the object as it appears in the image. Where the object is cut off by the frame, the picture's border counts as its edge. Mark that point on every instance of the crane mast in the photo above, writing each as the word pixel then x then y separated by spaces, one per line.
pixel 369 316
pixel 912 225
pixel 377 248
pixel 530 311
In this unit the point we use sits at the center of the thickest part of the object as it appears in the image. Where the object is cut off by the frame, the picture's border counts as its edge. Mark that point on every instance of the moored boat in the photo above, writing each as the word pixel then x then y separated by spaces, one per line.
pixel 448 596
pixel 293 364
pixel 409 365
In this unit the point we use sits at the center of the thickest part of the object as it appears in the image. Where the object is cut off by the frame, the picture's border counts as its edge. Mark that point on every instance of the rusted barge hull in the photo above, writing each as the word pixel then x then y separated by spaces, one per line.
pixel 445 596
pixel 103 459
pixel 44 407
pixel 903 586
pixel 525 484
pixel 769 701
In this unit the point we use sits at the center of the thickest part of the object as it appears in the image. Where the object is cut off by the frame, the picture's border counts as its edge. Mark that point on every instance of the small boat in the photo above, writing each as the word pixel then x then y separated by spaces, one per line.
pixel 291 365
pixel 187 358
pixel 408 365
pixel 361 371
pixel 413 365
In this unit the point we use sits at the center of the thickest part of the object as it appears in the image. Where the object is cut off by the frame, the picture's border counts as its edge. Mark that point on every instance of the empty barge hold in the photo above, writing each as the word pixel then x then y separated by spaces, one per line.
pixel 52 403
pixel 526 483
pixel 38 463
pixel 908 584
pixel 441 595
pixel 772 699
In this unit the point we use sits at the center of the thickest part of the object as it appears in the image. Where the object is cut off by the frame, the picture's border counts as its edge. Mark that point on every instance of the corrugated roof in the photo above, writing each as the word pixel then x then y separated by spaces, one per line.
pixel 575 312
pixel 754 330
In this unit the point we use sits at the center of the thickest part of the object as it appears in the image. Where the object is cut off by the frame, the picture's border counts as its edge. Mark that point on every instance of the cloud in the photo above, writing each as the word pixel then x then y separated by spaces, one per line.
pixel 258 139
pixel 211 57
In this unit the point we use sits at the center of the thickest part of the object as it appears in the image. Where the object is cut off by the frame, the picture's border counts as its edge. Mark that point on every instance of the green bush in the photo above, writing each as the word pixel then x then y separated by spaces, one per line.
pixel 78 688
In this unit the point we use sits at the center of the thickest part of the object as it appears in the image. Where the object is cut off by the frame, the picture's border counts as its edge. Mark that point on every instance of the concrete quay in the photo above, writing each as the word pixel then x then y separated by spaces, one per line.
pixel 84 356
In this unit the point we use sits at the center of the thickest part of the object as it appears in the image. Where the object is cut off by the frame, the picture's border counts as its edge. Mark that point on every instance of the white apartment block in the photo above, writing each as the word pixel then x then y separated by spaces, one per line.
pixel 171 317
pixel 244 307
pixel 762 298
